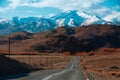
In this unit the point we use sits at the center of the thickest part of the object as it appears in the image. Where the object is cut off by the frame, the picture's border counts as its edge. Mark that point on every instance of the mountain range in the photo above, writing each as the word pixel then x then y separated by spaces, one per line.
pixel 39 24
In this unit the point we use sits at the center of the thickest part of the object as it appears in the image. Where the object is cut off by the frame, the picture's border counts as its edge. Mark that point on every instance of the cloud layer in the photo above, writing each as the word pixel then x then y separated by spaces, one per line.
pixel 61 4
pixel 91 6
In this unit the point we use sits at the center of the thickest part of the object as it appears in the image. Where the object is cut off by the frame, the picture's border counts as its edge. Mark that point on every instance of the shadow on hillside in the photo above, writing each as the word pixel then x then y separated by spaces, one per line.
pixel 15 76
pixel 10 67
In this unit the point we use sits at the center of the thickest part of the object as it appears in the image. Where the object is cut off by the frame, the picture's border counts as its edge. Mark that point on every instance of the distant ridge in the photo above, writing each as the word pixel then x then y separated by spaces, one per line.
pixel 78 39
pixel 69 19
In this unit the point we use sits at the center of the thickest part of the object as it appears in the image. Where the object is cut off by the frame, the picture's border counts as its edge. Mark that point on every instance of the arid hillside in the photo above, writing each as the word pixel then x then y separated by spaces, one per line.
pixel 79 39
pixel 103 64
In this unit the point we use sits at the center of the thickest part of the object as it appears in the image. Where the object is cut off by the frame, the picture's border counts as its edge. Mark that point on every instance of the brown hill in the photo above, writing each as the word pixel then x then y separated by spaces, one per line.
pixel 84 38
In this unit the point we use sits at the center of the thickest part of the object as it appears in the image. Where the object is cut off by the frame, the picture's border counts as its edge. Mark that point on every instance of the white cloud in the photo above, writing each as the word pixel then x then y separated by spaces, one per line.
pixel 65 4
pixel 61 4
pixel 51 15
pixel 117 8
pixel 103 11
pixel 4 9
pixel 91 6
pixel 12 5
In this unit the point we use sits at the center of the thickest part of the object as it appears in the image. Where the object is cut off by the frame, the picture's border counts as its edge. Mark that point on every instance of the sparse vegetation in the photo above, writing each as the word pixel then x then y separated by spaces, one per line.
pixel 103 63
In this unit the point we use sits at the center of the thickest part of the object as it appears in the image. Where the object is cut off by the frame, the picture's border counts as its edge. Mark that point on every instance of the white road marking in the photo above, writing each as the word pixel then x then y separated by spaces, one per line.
pixel 48 77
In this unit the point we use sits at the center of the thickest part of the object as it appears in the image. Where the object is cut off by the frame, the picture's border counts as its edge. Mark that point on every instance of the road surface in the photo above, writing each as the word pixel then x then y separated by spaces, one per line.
pixel 71 72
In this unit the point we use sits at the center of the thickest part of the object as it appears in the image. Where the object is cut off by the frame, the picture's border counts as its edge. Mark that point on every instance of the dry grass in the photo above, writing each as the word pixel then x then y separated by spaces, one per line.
pixel 105 63
pixel 44 61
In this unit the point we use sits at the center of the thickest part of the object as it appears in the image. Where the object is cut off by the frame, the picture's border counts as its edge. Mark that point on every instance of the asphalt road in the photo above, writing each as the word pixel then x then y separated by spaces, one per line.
pixel 71 72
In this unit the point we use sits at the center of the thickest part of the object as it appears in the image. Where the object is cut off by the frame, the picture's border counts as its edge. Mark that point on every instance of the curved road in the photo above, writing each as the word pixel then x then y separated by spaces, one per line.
pixel 71 72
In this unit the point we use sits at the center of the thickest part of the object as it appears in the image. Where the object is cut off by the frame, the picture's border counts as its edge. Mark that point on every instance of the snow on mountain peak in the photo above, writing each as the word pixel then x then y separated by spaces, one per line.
pixel 90 20
pixel 93 19
pixel 84 14
pixel 69 19
pixel 60 22
pixel 113 18
pixel 71 11
pixel 71 23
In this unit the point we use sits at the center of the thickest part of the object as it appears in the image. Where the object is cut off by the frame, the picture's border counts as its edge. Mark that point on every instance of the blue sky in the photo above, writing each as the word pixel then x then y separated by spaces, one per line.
pixel 25 8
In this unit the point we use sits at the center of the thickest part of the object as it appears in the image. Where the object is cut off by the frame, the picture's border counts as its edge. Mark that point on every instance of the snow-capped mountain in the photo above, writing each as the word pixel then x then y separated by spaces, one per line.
pixel 69 19
pixel 75 18
pixel 113 18
pixel 29 24
pixel 38 24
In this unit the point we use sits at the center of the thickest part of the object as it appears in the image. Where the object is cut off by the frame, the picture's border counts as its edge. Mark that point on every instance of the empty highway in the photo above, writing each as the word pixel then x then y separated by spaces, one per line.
pixel 71 72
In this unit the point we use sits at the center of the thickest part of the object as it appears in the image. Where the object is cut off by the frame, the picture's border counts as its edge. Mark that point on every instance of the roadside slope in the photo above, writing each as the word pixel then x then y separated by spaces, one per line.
pixel 9 67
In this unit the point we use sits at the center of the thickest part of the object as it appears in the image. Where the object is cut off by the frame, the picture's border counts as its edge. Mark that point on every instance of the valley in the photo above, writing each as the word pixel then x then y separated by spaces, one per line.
pixel 59 39
pixel 96 46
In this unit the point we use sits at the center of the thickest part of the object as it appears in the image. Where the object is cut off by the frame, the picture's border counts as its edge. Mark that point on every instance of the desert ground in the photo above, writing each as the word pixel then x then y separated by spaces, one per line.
pixel 43 61
pixel 103 64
